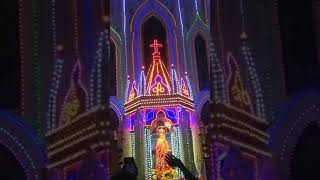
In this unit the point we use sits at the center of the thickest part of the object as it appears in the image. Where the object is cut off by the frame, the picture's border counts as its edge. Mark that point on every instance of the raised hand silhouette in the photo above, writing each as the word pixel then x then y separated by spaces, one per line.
pixel 175 162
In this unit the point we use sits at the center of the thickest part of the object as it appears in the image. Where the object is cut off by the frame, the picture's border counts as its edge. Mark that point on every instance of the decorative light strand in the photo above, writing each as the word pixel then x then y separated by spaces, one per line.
pixel 28 164
pixel 97 96
pixel 148 150
pixel 124 14
pixel 182 33
pixel 121 71
pixel 36 70
pixel 218 92
pixel 22 54
pixel 53 94
pixel 253 75
pixel 133 144
pixel 76 67
pixel 254 80
pixel 189 86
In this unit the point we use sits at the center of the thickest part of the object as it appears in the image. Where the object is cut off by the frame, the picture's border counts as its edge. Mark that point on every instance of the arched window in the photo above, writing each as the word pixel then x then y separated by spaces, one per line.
pixel 202 63
pixel 114 125
pixel 113 69
pixel 10 61
pixel 153 29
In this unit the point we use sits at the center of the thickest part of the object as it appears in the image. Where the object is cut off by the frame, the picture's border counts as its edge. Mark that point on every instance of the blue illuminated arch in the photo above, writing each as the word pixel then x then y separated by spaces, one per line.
pixel 198 28
pixel 154 8
pixel 298 112
pixel 16 136
pixel 117 107
pixel 120 61
pixel 201 98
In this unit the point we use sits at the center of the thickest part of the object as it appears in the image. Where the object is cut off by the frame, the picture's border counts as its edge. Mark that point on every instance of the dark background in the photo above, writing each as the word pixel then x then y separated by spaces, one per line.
pixel 10 169
pixel 299 57
pixel 9 55
pixel 299 47
pixel 302 72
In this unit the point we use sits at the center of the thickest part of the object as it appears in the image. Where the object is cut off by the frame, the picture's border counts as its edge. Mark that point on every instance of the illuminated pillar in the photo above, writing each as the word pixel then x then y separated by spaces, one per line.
pixel 126 140
pixel 186 138
pixel 197 144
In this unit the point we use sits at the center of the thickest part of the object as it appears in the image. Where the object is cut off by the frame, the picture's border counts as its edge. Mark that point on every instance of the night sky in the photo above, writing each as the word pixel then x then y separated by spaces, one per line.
pixel 9 58
pixel 299 46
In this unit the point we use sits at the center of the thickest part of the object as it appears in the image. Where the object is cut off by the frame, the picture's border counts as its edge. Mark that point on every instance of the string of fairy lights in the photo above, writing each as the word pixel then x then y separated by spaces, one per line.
pixel 148 150
pixel 53 94
pixel 96 95
pixel 36 70
pixel 22 55
pixel 144 85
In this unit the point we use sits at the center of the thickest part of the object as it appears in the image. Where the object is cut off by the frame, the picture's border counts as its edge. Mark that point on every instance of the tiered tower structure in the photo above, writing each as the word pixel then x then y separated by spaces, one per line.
pixel 159 112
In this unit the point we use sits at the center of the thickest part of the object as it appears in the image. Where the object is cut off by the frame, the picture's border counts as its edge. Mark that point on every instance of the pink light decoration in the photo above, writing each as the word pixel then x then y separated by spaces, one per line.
pixel 157 77
pixel 242 98
pixel 158 87
pixel 75 80
pixel 184 89
pixel 232 65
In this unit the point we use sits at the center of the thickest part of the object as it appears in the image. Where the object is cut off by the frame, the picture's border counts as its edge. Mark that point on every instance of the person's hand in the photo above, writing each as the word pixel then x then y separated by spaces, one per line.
pixel 173 161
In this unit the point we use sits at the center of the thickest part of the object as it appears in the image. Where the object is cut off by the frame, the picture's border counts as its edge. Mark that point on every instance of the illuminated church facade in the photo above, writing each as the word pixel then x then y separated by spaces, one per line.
pixel 170 56
pixel 200 79
pixel 159 56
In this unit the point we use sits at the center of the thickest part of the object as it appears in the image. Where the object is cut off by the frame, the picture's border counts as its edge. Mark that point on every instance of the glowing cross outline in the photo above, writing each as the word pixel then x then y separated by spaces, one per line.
pixel 156 46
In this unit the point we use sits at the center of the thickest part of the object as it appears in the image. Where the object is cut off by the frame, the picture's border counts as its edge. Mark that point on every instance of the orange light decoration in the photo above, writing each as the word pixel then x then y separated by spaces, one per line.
pixel 133 92
pixel 184 89
pixel 158 79
pixel 162 148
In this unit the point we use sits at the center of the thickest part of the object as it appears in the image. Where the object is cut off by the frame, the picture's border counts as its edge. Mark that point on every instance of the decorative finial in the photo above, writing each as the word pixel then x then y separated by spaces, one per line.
pixel 243 35
pixel 59 48
pixel 105 19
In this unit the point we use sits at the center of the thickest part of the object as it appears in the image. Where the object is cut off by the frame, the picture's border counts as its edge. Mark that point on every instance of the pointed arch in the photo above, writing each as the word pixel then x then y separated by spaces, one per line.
pixel 216 75
pixel 147 9
pixel 76 100
pixel 113 68
pixel 197 29
pixel 202 104
pixel 200 99
pixel 117 107
pixel 296 115
pixel 201 56
pixel 153 28
pixel 121 68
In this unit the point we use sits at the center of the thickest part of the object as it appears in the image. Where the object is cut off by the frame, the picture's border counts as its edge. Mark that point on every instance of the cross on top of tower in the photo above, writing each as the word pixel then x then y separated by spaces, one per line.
pixel 156 46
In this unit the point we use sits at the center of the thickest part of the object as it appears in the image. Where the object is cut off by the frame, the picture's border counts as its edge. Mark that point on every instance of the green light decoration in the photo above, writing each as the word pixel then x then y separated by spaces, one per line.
pixel 121 69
